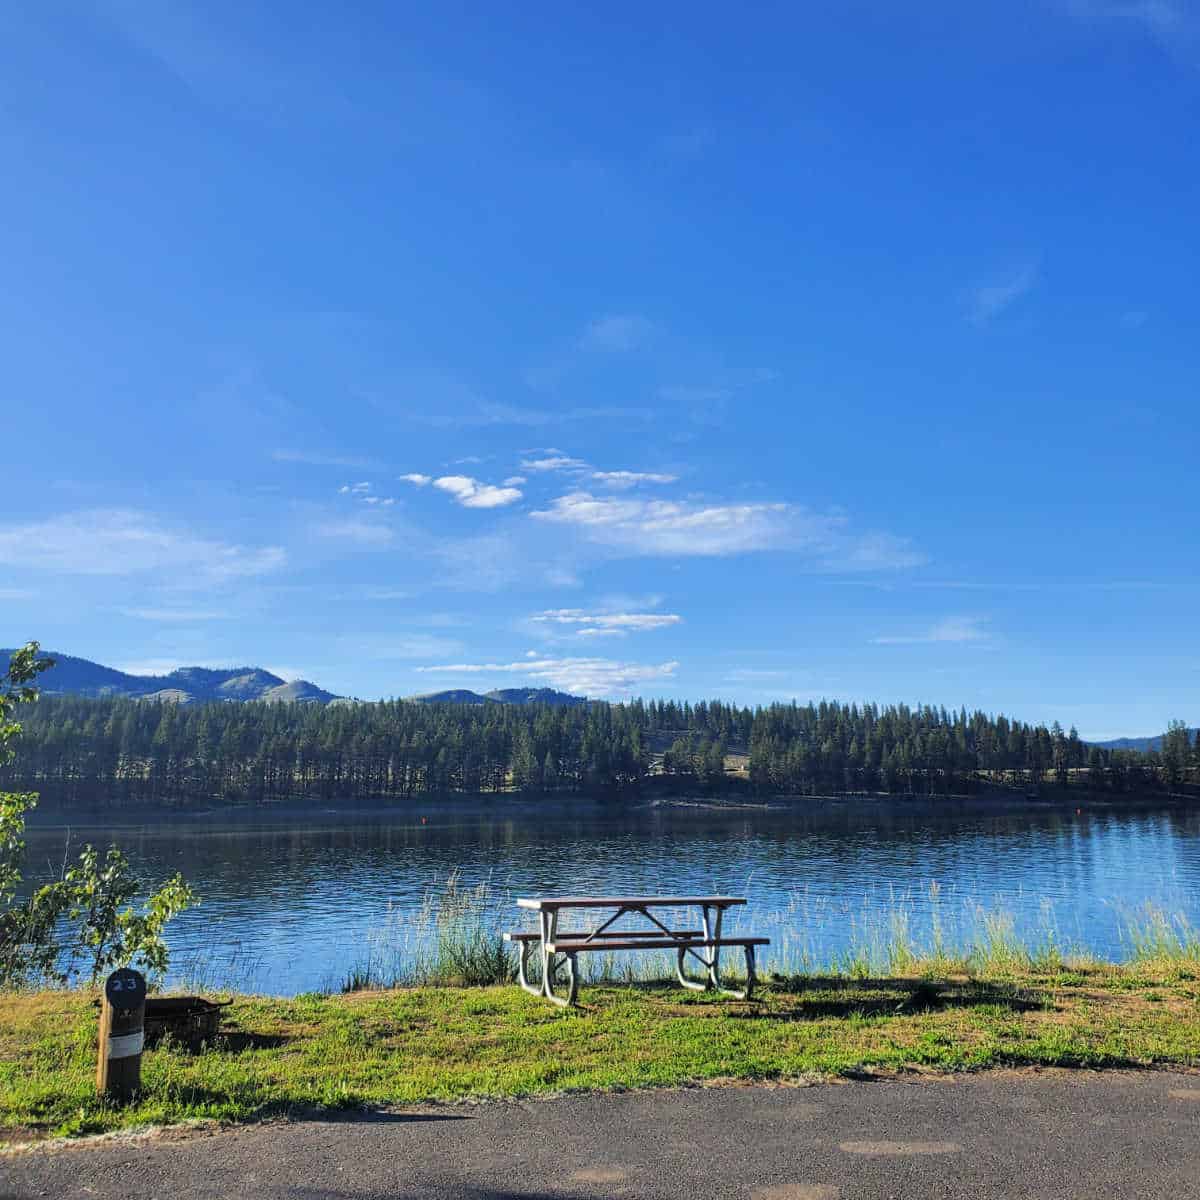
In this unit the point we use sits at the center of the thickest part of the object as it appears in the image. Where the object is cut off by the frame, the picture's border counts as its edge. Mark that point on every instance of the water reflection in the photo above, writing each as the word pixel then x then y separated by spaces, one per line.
pixel 290 908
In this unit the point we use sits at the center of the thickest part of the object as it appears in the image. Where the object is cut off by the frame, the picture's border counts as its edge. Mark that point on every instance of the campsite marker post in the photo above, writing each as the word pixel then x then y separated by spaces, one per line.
pixel 122 1035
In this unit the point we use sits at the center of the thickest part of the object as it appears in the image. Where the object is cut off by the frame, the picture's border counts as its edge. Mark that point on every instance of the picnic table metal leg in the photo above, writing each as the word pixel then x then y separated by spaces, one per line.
pixel 556 961
pixel 714 950
pixel 751 979
pixel 684 981
pixel 709 954
pixel 527 949
pixel 705 953
pixel 548 924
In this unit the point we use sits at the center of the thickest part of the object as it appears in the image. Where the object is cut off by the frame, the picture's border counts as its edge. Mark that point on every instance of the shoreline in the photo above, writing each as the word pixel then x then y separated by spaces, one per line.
pixel 48 817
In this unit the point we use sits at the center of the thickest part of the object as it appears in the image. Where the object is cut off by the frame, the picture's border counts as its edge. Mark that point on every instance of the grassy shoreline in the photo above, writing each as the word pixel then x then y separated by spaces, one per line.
pixel 437 1044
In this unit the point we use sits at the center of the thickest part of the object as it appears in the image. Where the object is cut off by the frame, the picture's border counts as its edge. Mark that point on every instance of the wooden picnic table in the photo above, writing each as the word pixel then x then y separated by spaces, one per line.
pixel 557 948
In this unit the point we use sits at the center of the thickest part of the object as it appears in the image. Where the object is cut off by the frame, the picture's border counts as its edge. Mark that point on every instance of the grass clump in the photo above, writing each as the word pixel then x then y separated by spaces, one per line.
pixel 454 939
pixel 1155 936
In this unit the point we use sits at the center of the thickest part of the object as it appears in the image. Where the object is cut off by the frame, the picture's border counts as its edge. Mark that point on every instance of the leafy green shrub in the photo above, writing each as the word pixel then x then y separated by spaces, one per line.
pixel 82 924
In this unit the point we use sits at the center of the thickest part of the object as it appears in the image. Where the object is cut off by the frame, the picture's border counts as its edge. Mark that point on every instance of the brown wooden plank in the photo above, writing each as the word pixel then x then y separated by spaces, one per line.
pixel 558 946
pixel 525 935
pixel 548 903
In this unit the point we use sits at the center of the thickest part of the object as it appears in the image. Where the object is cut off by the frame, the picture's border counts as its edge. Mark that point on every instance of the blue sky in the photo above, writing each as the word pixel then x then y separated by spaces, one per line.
pixel 794 350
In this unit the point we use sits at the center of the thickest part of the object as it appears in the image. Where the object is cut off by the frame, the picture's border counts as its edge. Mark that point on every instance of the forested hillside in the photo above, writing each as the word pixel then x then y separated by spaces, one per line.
pixel 120 751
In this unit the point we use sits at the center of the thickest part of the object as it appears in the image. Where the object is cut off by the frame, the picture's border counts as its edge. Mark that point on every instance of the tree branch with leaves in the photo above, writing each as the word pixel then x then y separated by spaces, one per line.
pixel 84 923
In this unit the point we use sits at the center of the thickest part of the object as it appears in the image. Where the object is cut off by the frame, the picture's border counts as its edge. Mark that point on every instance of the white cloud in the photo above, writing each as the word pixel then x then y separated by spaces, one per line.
pixel 389 594
pixel 615 624
pixel 556 462
pixel 174 614
pixel 415 478
pixel 515 481
pixel 360 531
pixel 695 528
pixel 672 527
pixel 952 629
pixel 470 493
pixel 988 300
pixel 617 333
pixel 125 541
pixel 583 676
pixel 627 479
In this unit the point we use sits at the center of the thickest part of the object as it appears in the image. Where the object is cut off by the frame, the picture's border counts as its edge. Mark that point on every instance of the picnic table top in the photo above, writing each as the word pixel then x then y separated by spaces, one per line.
pixel 547 903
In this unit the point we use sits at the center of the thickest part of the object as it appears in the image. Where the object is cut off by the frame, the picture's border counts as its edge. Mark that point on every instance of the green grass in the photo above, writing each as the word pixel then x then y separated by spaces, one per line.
pixel 320 1052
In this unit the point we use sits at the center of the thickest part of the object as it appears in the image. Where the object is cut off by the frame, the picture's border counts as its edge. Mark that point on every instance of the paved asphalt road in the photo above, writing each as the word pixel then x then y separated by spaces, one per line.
pixel 1050 1135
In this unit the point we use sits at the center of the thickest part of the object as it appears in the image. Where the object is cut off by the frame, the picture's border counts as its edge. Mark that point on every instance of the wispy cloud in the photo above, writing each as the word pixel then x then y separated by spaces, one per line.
pixel 175 615
pixel 582 676
pixel 399 645
pixel 620 480
pixel 317 459
pixel 616 333
pixel 126 541
pixel 362 532
pixel 365 493
pixel 514 481
pixel 873 552
pixel 952 629
pixel 484 414
pixel 417 480
pixel 755 675
pixel 605 624
pixel 694 528
pixel 470 493
pixel 671 527
pixel 486 563
pixel 988 299
pixel 554 462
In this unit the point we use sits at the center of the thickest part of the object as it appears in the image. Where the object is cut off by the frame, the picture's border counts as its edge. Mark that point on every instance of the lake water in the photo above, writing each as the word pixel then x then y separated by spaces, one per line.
pixel 291 908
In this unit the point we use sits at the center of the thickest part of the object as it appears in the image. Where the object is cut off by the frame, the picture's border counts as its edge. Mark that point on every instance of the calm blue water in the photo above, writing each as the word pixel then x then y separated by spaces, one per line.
pixel 289 909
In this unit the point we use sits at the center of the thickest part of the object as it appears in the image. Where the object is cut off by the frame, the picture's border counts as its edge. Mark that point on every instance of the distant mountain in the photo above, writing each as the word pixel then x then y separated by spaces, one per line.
pixel 535 696
pixel 1137 743
pixel 501 696
pixel 452 696
pixel 187 685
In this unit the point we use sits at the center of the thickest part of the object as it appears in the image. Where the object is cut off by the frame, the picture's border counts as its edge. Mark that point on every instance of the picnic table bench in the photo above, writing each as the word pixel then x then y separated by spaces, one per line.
pixel 557 948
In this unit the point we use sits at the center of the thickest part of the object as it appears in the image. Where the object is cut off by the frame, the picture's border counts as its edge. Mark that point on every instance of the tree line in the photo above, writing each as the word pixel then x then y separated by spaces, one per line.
pixel 124 752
